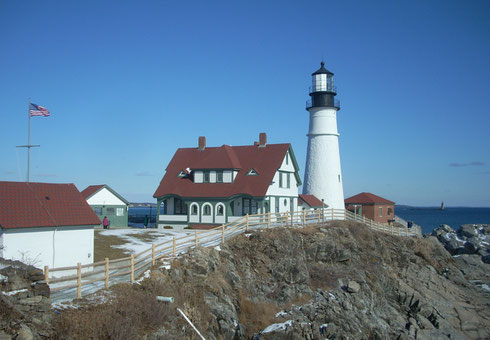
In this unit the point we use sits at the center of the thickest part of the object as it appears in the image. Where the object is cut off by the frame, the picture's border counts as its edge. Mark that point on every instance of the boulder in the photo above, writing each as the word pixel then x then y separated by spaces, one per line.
pixel 353 287
pixel 468 230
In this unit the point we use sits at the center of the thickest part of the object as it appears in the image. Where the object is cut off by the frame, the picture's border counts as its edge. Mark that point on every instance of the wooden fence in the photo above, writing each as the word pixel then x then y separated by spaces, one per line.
pixel 94 276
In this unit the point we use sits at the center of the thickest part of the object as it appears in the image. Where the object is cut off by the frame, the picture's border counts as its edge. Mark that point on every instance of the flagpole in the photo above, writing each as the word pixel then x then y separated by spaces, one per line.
pixel 28 146
pixel 29 139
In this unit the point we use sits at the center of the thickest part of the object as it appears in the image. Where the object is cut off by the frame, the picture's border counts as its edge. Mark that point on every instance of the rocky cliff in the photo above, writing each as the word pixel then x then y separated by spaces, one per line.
pixel 333 281
pixel 339 280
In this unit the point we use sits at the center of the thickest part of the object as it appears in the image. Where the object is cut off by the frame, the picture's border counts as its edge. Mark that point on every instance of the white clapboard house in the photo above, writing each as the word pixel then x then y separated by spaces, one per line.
pixel 208 186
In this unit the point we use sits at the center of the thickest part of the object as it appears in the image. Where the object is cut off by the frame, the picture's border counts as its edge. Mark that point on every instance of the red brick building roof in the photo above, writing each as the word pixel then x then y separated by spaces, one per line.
pixel 25 205
pixel 367 198
pixel 264 159
pixel 312 201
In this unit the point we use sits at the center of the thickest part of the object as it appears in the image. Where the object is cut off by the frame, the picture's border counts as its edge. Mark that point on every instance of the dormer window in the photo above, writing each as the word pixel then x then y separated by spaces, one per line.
pixel 182 174
pixel 252 172
pixel 206 175
pixel 219 176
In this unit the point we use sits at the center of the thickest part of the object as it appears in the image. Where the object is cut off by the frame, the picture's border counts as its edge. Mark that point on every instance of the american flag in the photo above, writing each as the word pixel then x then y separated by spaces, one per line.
pixel 37 110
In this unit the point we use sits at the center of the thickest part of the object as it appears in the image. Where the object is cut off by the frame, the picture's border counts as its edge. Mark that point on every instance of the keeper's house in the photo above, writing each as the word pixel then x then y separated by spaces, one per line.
pixel 204 187
pixel 371 206
pixel 45 224
pixel 107 202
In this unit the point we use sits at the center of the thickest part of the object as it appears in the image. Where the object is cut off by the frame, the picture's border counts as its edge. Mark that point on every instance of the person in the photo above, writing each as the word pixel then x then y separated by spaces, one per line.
pixel 410 224
pixel 105 222
pixel 146 221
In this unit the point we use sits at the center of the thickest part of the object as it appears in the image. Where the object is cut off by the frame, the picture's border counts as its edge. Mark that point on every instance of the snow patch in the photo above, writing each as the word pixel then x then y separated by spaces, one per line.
pixel 485 287
pixel 278 326
pixel 14 292
pixel 281 314
pixel 218 248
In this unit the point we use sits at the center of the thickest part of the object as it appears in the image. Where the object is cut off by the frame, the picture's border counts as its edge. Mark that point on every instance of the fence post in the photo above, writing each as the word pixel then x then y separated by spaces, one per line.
pixel 153 254
pixel 287 218
pixel 46 274
pixel 132 268
pixel 197 240
pixel 79 280
pixel 174 247
pixel 223 233
pixel 246 225
pixel 319 215
pixel 304 217
pixel 106 273
pixel 269 219
pixel 406 231
pixel 332 214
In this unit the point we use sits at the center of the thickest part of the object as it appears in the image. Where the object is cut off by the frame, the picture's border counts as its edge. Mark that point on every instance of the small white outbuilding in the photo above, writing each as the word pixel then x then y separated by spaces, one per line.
pixel 46 224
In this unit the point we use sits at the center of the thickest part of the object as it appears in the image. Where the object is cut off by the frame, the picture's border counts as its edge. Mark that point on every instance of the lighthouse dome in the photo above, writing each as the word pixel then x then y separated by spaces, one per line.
pixel 322 70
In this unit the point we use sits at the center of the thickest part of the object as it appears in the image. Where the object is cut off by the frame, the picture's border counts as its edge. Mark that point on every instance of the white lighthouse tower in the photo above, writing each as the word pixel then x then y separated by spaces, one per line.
pixel 323 175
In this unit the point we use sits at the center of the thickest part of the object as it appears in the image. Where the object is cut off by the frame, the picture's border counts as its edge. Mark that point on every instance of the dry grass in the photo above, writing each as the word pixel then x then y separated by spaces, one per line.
pixel 130 313
pixel 103 247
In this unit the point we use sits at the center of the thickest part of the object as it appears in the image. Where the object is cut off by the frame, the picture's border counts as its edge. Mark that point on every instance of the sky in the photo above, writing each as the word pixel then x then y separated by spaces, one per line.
pixel 129 82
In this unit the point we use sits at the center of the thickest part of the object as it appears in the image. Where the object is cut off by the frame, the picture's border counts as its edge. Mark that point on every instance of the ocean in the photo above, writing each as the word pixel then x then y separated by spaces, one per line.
pixel 430 218
pixel 427 218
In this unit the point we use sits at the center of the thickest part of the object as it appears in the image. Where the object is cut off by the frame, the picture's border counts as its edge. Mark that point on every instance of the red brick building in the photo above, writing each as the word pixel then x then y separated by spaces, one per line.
pixel 371 206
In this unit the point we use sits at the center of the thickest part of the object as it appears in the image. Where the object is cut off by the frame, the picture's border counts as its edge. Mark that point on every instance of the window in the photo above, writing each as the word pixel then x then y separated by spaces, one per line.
pixel 389 211
pixel 339 178
pixel 219 210
pixel 120 212
pixel 285 202
pixel 206 210
pixel 98 211
pixel 380 212
pixel 180 208
pixel 284 180
pixel 206 176
pixel 277 204
pixel 110 211
pixel 249 206
pixel 252 172
pixel 287 158
pixel 219 176
pixel 194 209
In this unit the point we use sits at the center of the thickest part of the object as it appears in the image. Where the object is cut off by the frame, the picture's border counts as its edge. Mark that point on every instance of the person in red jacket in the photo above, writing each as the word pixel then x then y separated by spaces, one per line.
pixel 105 222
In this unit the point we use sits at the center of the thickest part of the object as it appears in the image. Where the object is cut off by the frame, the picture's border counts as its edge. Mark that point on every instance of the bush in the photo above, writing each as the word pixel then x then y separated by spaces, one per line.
pixel 168 227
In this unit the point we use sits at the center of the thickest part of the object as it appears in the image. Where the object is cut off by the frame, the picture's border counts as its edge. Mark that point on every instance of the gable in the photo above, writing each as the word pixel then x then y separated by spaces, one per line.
pixel 105 197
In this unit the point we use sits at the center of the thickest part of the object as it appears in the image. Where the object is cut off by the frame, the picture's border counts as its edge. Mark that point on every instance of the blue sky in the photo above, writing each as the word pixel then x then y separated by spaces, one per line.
pixel 129 82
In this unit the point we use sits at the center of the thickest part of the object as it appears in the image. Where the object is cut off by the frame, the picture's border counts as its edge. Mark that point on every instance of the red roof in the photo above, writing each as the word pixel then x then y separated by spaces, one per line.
pixel 24 205
pixel 265 160
pixel 90 190
pixel 312 201
pixel 367 198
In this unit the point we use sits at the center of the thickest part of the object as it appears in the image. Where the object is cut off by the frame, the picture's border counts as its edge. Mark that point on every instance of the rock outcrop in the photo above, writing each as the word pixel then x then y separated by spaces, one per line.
pixel 472 239
pixel 25 306
pixel 339 281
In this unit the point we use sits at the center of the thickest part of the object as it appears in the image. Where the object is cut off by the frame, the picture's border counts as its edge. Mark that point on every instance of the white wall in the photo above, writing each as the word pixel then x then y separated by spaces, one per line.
pixel 104 197
pixel 275 190
pixel 53 247
pixel 323 175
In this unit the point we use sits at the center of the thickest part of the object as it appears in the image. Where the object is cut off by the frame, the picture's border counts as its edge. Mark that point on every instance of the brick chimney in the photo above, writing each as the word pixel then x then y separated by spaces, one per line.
pixel 202 143
pixel 262 139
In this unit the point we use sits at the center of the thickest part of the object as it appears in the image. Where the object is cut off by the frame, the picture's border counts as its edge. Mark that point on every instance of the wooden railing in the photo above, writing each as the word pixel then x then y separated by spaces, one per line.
pixel 94 276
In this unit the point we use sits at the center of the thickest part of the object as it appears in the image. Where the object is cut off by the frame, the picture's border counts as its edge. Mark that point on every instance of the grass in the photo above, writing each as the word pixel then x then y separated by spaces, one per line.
pixel 103 249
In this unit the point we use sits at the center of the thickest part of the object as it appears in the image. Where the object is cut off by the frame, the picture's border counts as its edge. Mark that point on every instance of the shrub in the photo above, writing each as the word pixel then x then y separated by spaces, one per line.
pixel 168 227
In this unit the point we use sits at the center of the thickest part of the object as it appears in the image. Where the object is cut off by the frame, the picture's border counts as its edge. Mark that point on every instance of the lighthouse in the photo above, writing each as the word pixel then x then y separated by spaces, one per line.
pixel 323 175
